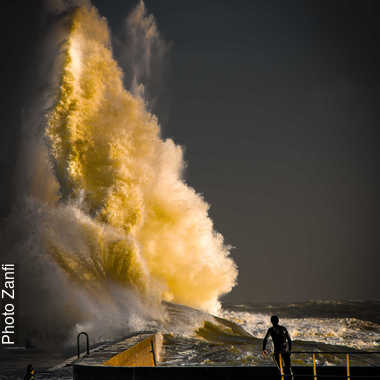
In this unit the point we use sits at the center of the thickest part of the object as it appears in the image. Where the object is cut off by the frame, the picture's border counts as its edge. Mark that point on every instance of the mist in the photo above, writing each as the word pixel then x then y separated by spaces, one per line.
pixel 92 231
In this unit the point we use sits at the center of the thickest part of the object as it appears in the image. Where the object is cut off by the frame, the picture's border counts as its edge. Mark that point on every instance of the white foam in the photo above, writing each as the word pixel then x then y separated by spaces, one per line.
pixel 350 332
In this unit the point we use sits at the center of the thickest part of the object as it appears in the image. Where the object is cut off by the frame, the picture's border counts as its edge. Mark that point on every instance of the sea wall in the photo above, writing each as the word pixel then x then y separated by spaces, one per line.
pixel 221 373
pixel 144 354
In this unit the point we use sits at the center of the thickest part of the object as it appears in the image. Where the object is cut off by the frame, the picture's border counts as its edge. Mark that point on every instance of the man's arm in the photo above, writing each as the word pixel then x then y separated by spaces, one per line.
pixel 265 340
pixel 289 340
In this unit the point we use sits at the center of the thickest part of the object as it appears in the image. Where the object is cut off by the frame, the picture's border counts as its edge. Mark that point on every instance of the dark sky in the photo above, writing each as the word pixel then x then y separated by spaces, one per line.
pixel 277 105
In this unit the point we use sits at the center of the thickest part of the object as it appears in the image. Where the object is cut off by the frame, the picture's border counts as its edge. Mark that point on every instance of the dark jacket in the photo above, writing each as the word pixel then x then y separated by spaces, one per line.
pixel 280 337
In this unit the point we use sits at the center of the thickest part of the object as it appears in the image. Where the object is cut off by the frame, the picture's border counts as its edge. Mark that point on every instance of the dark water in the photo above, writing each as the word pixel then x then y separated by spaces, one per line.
pixel 363 310
pixel 314 326
pixel 192 337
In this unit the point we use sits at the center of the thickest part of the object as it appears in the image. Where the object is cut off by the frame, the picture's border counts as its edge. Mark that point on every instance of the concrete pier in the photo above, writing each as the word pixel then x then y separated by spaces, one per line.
pixel 141 349
pixel 137 357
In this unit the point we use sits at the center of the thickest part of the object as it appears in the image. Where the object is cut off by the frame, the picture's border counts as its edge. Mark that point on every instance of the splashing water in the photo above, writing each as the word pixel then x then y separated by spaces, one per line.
pixel 125 215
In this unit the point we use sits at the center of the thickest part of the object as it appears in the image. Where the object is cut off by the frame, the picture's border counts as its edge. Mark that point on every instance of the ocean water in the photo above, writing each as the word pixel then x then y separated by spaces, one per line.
pixel 353 324
pixel 234 337
pixel 98 210
pixel 313 326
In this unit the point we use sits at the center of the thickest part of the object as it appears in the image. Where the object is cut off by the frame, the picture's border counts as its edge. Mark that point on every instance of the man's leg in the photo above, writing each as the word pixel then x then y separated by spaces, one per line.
pixel 276 357
pixel 287 365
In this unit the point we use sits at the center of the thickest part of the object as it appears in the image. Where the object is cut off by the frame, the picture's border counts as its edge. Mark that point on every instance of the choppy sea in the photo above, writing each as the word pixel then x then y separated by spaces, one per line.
pixel 313 326
pixel 234 336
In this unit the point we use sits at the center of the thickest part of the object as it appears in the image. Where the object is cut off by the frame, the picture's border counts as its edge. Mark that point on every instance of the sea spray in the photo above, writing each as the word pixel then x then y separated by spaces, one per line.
pixel 126 215
pixel 104 227
pixel 142 54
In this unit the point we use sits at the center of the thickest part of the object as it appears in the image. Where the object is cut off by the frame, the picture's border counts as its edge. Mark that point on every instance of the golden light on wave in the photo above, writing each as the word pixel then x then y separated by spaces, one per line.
pixel 133 220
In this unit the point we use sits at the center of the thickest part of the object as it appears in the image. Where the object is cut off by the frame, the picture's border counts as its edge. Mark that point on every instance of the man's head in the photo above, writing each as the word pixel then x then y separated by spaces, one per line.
pixel 274 319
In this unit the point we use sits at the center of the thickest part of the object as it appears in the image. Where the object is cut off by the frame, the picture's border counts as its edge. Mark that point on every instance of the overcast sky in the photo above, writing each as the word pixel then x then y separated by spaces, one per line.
pixel 277 105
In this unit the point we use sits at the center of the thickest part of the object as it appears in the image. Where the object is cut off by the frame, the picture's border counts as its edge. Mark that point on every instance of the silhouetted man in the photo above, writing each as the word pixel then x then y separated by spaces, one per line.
pixel 282 345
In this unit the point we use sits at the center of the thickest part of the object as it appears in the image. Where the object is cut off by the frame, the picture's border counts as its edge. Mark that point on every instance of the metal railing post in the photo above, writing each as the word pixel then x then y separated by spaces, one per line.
pixel 154 354
pixel 314 368
pixel 87 343
pixel 281 368
pixel 348 365
pixel 314 353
